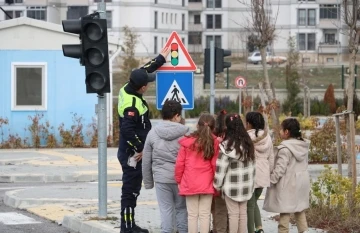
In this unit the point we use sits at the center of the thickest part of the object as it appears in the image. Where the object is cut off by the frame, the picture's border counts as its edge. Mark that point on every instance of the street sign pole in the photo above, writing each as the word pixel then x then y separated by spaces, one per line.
pixel 212 77
pixel 240 101
pixel 102 140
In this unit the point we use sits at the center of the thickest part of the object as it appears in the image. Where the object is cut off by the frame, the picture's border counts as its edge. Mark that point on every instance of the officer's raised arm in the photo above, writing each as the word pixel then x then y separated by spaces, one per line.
pixel 158 61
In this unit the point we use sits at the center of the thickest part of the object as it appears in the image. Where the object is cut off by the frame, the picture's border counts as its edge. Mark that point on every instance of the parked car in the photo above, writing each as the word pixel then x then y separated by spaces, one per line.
pixel 255 58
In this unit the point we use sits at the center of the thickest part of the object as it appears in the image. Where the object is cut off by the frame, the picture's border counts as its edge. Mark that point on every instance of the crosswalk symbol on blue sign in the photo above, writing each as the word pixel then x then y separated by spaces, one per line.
pixel 175 86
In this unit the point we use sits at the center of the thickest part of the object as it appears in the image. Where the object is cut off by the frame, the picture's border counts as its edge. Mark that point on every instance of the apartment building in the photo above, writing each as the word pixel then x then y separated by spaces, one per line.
pixel 152 20
pixel 316 24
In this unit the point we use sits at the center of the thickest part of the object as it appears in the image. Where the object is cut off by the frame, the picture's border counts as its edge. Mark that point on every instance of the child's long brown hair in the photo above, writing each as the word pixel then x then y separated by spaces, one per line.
pixel 204 141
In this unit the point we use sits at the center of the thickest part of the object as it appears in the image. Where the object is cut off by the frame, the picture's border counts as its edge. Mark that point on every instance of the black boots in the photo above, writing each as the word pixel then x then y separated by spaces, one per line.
pixel 128 222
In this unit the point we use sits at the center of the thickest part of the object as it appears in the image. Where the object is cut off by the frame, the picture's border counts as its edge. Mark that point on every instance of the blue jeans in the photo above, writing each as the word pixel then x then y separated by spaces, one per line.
pixel 172 208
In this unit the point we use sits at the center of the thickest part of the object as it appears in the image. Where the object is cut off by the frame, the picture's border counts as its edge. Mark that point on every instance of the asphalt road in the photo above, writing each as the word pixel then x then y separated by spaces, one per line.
pixel 19 221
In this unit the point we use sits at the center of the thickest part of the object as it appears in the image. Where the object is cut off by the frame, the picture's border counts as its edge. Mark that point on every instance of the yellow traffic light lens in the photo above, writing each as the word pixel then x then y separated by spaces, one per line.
pixel 174 54
pixel 95 56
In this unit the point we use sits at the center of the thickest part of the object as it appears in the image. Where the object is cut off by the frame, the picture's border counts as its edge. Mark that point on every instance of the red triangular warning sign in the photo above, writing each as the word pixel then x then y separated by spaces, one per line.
pixel 179 58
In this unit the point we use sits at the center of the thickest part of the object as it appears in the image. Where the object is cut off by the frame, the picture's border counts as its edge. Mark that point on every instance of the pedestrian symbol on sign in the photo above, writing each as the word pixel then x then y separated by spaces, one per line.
pixel 175 93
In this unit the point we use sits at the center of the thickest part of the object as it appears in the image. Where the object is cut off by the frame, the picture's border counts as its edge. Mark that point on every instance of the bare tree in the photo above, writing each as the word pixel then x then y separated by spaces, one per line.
pixel 129 61
pixel 262 24
pixel 351 16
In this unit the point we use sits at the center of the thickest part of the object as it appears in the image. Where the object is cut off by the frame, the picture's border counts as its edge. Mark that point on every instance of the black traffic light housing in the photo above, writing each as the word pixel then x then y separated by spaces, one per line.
pixel 92 52
pixel 220 64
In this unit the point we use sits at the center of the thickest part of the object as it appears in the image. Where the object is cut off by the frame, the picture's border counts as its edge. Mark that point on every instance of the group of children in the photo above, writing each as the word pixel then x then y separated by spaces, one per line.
pixel 221 169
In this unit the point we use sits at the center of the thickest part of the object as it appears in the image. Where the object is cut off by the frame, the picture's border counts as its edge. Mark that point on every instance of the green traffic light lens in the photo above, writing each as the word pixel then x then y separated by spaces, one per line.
pixel 94 32
pixel 174 61
pixel 96 81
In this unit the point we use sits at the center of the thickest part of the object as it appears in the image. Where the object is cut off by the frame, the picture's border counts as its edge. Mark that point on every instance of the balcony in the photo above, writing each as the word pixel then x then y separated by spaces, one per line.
pixel 326 48
pixel 195 6
pixel 328 23
pixel 195 27
pixel 327 2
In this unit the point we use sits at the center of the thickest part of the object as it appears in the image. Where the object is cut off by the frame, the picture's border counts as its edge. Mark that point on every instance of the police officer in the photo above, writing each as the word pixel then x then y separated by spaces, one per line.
pixel 134 126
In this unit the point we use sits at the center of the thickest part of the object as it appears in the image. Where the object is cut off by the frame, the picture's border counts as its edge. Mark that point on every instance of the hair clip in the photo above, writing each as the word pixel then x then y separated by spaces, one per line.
pixel 223 111
pixel 231 118
pixel 235 115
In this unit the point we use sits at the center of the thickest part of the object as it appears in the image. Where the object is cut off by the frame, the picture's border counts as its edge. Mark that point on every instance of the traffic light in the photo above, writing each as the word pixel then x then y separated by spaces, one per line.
pixel 174 54
pixel 92 52
pixel 220 64
pixel 207 65
pixel 73 50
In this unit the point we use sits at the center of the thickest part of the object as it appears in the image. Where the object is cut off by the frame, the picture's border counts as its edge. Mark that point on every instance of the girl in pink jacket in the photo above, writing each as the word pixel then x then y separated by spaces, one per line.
pixel 194 172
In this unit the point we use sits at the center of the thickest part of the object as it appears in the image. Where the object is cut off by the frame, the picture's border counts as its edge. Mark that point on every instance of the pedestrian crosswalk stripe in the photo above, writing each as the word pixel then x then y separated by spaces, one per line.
pixel 13 218
pixel 175 93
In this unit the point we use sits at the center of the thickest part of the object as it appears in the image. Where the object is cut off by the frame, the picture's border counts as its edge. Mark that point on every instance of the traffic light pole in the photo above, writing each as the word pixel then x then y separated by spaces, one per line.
pixel 212 77
pixel 102 139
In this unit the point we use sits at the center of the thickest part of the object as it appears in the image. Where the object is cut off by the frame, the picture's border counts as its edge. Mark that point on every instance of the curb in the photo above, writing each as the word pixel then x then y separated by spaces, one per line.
pixel 75 223
pixel 10 199
pixel 43 178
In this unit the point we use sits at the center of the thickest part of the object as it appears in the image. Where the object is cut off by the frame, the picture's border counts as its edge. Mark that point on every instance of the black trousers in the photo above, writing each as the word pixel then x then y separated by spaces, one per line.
pixel 131 179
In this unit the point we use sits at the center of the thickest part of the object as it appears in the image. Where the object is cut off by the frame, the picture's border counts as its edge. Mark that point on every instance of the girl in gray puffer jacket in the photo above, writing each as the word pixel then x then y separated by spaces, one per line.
pixel 158 165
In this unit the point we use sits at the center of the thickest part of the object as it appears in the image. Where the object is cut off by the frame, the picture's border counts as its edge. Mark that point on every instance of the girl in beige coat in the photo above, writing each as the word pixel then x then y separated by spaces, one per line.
pixel 264 157
pixel 290 181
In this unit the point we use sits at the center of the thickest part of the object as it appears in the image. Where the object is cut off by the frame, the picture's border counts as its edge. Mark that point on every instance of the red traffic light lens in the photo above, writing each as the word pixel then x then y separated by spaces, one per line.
pixel 94 32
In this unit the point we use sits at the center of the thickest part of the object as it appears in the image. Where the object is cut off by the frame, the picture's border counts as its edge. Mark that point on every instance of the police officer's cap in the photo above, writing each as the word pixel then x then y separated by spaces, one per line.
pixel 140 78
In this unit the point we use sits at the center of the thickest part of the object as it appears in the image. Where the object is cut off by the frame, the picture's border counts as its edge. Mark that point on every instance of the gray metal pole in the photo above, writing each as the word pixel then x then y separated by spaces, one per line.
pixel 252 99
pixel 102 140
pixel 212 77
pixel 183 114
pixel 240 101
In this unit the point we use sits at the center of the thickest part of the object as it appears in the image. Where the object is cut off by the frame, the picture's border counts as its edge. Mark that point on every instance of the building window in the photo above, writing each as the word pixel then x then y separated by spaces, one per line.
pixel 175 18
pixel 182 22
pixel 306 17
pixel 329 11
pixel 210 21
pixel 13 1
pixel 162 41
pixel 36 12
pixel 307 41
pixel 171 16
pixel 183 40
pixel 195 0
pixel 183 3
pixel 155 45
pixel 75 12
pixel 213 3
pixel 162 17
pixel 29 82
pixel 194 38
pixel 217 41
pixel 155 20
pixel 13 14
pixel 101 1
pixel 311 17
pixel 330 38
pixel 197 19
pixel 155 1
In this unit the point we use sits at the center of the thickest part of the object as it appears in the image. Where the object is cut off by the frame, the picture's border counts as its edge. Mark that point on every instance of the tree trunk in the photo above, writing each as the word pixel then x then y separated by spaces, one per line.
pixel 350 102
pixel 270 93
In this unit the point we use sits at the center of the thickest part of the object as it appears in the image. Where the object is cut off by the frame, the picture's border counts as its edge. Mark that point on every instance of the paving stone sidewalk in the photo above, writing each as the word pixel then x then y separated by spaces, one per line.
pixel 76 208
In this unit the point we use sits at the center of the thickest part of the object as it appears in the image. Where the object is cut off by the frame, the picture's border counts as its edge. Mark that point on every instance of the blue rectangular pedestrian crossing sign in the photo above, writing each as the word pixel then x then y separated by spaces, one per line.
pixel 177 86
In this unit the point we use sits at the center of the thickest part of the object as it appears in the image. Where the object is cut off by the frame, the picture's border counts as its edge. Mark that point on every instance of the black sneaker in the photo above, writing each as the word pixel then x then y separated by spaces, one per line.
pixel 137 229
pixel 259 231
